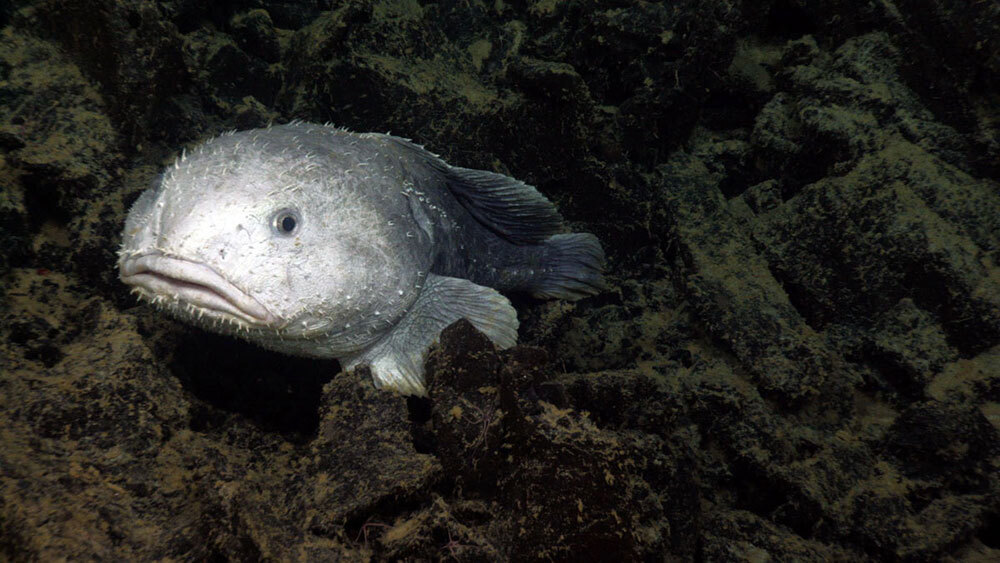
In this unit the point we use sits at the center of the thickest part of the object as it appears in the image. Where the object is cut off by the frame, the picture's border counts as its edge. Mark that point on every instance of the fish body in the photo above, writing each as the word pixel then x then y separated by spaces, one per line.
pixel 316 241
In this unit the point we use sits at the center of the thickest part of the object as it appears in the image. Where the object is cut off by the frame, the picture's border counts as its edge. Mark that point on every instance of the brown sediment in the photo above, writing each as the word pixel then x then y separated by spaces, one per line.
pixel 797 357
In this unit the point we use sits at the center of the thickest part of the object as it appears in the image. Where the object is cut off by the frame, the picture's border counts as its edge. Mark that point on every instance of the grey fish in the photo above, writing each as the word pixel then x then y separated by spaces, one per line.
pixel 315 241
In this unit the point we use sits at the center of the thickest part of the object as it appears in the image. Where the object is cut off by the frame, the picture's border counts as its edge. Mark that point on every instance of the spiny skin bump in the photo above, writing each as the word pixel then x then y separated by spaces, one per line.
pixel 315 241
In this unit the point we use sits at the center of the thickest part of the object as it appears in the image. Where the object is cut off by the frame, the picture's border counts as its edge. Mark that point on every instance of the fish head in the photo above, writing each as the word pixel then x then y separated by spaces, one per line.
pixel 240 238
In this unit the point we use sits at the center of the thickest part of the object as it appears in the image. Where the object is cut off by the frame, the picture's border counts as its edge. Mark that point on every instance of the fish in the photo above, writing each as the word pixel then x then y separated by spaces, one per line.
pixel 316 241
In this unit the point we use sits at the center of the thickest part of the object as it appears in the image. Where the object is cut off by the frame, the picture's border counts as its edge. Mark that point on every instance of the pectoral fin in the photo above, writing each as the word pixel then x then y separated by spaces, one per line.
pixel 397 360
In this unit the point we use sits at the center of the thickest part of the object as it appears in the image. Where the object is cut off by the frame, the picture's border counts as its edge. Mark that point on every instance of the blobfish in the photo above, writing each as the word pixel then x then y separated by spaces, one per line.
pixel 315 241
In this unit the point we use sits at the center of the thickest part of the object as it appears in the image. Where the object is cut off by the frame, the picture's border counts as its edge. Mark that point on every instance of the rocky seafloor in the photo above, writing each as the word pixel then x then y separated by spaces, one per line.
pixel 797 359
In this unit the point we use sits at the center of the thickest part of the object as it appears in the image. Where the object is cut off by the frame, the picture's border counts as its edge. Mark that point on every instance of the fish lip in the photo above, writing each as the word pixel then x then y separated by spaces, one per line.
pixel 195 283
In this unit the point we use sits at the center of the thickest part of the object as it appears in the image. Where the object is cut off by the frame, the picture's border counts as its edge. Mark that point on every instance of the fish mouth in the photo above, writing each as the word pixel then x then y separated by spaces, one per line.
pixel 157 276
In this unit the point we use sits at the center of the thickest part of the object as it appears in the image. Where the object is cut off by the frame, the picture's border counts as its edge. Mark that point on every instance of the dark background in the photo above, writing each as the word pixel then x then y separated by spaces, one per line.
pixel 797 358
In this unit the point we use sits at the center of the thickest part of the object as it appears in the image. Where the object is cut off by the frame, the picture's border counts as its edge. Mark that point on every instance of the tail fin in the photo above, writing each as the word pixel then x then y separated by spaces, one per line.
pixel 577 261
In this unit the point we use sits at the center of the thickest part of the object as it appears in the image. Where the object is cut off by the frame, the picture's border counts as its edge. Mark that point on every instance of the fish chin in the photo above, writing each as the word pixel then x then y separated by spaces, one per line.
pixel 194 291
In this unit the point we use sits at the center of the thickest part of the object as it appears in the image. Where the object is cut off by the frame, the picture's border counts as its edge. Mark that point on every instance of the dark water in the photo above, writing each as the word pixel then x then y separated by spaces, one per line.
pixel 797 357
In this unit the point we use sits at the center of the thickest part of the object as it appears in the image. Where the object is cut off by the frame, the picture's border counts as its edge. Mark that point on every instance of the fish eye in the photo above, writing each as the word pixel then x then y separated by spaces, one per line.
pixel 286 222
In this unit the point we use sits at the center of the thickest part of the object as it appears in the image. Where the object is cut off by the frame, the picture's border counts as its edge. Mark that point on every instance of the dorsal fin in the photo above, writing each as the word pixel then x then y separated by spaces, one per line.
pixel 508 207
